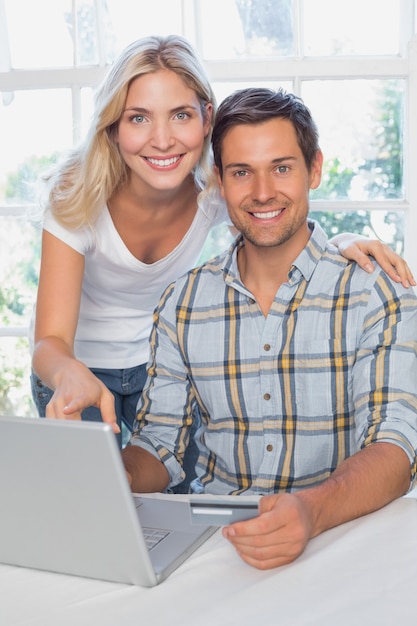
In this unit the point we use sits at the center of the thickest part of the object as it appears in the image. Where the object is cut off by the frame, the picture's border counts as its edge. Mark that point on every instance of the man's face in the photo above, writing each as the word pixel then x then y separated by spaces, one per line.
pixel 266 183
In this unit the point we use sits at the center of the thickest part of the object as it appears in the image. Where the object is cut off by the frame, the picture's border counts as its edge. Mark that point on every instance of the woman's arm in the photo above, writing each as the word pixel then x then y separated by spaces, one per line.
pixel 359 249
pixel 58 301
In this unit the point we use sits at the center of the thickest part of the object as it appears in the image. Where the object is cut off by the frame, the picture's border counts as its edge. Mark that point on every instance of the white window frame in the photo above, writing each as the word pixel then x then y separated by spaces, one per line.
pixel 296 69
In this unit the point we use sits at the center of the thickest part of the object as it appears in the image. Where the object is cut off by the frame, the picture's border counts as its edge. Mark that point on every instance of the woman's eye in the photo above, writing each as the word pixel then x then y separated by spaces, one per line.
pixel 182 116
pixel 138 119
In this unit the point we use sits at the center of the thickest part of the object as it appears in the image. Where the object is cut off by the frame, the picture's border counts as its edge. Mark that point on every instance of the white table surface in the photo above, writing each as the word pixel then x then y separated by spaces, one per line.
pixel 361 573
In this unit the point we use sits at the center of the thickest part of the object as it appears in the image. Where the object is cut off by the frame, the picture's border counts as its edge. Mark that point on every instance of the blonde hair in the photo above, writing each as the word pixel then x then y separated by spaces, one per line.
pixel 80 186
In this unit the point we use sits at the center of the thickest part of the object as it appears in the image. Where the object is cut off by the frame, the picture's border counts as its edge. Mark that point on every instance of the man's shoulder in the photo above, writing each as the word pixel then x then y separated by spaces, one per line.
pixel 206 276
pixel 208 269
pixel 348 275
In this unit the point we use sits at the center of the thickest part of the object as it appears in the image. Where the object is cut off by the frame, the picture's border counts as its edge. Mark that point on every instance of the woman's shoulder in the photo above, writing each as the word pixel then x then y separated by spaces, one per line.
pixel 81 239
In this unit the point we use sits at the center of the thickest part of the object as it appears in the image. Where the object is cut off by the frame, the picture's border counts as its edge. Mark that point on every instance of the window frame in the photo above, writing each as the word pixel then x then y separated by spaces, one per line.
pixel 296 69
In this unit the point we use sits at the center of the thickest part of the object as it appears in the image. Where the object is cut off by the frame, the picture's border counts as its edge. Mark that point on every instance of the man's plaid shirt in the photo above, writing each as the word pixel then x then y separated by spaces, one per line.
pixel 283 399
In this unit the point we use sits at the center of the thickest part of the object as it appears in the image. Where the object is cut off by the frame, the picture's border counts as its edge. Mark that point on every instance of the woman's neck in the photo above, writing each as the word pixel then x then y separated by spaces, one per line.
pixel 149 199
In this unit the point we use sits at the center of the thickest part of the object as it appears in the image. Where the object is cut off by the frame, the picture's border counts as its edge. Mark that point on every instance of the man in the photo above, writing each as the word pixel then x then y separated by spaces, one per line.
pixel 303 366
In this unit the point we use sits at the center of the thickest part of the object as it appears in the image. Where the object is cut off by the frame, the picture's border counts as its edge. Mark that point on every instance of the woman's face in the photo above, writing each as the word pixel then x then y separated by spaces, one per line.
pixel 162 129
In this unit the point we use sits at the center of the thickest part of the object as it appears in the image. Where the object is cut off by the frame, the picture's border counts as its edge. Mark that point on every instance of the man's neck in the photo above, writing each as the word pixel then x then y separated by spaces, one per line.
pixel 264 269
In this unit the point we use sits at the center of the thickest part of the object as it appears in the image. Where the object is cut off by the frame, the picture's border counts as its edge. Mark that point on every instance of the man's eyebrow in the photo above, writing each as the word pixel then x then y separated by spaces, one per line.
pixel 277 161
pixel 284 159
pixel 236 165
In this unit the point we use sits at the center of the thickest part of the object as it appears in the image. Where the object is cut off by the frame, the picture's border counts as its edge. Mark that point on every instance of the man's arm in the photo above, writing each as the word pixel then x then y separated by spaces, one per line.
pixel 363 483
pixel 166 393
pixel 145 472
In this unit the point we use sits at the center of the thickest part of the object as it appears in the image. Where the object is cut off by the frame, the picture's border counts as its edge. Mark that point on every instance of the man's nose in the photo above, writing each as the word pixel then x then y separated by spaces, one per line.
pixel 263 188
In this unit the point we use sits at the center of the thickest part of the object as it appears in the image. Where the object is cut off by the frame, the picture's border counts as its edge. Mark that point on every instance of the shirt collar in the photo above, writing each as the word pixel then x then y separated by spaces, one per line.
pixel 304 265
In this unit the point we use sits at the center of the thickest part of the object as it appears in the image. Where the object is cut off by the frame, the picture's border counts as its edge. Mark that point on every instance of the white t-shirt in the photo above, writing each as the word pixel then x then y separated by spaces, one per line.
pixel 120 293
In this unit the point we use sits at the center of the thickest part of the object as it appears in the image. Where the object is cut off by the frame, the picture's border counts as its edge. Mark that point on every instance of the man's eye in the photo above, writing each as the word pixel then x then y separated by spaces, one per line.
pixel 240 173
pixel 282 169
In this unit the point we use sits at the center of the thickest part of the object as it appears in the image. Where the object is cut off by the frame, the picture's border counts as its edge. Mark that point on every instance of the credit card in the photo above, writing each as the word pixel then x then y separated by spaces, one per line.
pixel 222 510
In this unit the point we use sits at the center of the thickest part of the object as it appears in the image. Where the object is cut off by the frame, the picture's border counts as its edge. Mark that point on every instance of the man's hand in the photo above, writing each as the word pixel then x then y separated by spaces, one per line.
pixel 277 536
pixel 361 484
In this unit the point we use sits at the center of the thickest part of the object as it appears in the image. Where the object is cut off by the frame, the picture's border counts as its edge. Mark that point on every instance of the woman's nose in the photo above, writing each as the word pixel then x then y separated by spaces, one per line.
pixel 162 136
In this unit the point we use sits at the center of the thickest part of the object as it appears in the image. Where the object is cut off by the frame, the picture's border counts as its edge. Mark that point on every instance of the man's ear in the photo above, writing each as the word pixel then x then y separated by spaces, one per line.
pixel 316 169
pixel 219 180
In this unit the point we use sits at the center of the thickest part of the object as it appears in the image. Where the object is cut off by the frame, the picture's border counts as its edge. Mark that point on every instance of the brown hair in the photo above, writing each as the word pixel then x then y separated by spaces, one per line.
pixel 257 105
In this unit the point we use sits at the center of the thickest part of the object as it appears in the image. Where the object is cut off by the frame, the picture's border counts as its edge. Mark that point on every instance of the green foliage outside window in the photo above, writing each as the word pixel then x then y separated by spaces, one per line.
pixel 382 174
pixel 20 247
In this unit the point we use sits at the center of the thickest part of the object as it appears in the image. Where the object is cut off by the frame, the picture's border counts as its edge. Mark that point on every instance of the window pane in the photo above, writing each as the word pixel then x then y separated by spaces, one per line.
pixel 85 33
pixel 361 130
pixel 15 396
pixel 131 20
pixel 39 33
pixel 385 225
pixel 236 28
pixel 218 240
pixel 19 266
pixel 351 28
pixel 87 106
pixel 35 126
pixel 221 90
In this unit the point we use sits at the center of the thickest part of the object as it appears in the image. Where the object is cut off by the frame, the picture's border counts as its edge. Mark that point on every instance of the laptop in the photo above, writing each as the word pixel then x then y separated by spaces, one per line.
pixel 66 506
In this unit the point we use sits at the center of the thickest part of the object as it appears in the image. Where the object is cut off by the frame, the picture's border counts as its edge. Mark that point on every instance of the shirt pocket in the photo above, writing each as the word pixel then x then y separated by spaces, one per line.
pixel 323 380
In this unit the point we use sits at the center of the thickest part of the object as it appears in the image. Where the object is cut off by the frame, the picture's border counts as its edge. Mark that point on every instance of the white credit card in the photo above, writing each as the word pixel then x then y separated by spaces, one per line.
pixel 222 510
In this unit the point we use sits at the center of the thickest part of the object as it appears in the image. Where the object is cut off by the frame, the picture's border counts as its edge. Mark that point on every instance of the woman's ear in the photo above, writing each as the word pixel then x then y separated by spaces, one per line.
pixel 113 133
pixel 208 116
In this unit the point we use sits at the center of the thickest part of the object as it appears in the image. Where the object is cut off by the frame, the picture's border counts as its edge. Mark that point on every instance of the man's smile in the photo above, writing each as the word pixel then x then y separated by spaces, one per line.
pixel 268 214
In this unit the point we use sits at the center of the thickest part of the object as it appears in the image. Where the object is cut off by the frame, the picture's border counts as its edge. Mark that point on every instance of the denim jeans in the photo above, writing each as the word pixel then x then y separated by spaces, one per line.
pixel 126 386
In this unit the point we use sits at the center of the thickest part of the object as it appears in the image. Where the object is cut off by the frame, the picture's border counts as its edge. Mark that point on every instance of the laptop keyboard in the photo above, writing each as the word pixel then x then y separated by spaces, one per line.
pixel 153 536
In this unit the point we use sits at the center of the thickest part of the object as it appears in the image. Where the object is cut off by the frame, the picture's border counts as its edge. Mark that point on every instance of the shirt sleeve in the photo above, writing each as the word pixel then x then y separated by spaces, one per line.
pixel 166 407
pixel 80 240
pixel 385 371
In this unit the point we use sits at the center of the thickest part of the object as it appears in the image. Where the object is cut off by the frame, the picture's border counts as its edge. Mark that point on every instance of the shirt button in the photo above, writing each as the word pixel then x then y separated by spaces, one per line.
pixel 269 447
pixel 267 396
pixel 267 347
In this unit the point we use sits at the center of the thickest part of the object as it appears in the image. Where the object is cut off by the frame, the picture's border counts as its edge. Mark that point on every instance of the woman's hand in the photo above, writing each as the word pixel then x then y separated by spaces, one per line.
pixel 77 389
pixel 359 249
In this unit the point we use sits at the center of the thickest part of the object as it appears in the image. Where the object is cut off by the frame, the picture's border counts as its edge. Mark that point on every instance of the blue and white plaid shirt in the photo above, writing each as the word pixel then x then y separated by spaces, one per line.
pixel 286 398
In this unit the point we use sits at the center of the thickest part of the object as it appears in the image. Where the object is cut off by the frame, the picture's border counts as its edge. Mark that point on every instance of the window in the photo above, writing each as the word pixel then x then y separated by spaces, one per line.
pixel 354 63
